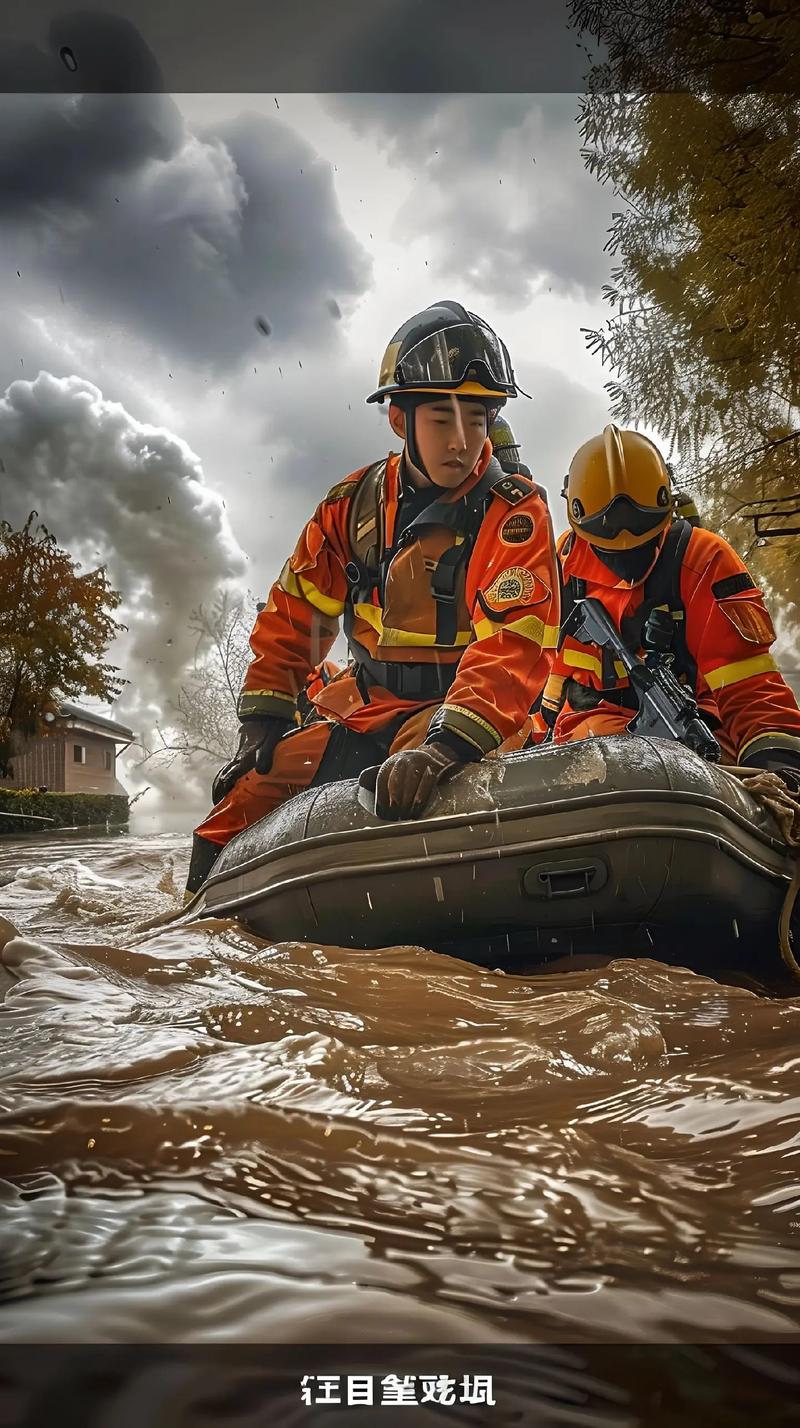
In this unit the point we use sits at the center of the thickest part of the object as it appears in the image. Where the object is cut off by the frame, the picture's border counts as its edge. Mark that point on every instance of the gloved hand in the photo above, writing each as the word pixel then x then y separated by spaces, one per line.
pixel 790 776
pixel 257 740
pixel 406 780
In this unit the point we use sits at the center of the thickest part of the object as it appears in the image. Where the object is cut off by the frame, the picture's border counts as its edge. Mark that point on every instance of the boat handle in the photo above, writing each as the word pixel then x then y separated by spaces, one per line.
pixel 365 790
pixel 566 879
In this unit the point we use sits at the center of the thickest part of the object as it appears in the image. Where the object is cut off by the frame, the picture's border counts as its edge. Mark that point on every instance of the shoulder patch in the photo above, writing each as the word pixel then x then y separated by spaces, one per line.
pixel 750 618
pixel 342 489
pixel 515 586
pixel 513 489
pixel 517 529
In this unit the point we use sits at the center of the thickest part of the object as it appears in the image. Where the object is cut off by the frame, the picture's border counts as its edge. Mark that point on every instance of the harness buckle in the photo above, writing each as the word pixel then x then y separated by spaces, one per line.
pixel 443 584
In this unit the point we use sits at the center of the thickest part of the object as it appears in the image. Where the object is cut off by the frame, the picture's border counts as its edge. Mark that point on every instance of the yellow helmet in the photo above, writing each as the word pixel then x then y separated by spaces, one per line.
pixel 618 490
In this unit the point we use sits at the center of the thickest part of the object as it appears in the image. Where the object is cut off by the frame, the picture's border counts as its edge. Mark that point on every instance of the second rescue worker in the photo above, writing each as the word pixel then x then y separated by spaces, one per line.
pixel 443 568
pixel 626 550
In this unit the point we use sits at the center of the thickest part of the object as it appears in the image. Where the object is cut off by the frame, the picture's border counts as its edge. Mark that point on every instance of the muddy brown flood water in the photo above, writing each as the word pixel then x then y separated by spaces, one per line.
pixel 207 1138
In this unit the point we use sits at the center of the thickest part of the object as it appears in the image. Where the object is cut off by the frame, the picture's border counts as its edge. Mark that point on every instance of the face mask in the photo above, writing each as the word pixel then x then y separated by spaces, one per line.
pixel 630 565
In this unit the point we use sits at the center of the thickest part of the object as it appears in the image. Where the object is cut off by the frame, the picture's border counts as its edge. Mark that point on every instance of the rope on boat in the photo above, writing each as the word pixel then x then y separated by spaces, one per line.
pixel 784 805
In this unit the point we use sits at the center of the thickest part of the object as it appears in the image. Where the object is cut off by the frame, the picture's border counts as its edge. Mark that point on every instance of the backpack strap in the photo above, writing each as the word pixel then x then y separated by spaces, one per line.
pixel 662 590
pixel 465 518
pixel 366 532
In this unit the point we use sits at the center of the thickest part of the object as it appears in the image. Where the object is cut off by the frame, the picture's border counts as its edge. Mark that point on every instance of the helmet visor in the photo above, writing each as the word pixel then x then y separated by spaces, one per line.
pixel 623 514
pixel 448 357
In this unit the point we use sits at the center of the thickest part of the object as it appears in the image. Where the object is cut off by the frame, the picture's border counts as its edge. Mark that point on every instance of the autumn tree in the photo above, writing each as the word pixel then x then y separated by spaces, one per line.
pixel 55 627
pixel 703 340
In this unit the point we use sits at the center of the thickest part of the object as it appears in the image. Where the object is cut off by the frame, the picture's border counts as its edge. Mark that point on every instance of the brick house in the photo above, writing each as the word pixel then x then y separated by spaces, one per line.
pixel 78 754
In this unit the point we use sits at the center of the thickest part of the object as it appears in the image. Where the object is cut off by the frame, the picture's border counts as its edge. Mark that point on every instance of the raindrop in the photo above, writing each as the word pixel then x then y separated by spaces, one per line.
pixel 19 274
pixel 263 326
pixel 68 59
pixel 333 307
pixel 299 363
pixel 277 105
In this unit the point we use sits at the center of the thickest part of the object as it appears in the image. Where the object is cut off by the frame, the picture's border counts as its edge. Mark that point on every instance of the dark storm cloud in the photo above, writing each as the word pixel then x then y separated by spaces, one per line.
pixel 81 51
pixel 310 46
pixel 187 239
pixel 117 492
pixel 501 193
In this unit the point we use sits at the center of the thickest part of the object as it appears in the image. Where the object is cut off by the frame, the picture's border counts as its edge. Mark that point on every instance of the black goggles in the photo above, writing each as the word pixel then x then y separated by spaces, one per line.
pixel 621 514
pixel 453 355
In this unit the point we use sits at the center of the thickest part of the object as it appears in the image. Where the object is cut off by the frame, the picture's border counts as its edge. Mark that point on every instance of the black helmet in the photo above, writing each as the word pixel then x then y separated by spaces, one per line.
pixel 446 349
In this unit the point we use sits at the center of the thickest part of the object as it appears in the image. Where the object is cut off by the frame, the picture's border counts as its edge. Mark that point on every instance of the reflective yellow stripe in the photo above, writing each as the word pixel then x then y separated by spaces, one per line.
pixel 742 669
pixel 620 669
pixel 371 615
pixel 304 589
pixel 267 694
pixel 578 659
pixel 410 638
pixel 388 636
pixel 288 582
pixel 460 712
pixel 772 740
pixel 315 597
pixel 261 702
pixel 529 626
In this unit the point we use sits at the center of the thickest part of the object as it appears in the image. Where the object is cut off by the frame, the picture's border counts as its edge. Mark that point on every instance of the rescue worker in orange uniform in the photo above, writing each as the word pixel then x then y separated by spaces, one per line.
pixel 443 569
pixel 627 549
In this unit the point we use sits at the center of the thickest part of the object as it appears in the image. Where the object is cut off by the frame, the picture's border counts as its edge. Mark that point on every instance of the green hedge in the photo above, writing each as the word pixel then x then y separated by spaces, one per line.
pixel 66 809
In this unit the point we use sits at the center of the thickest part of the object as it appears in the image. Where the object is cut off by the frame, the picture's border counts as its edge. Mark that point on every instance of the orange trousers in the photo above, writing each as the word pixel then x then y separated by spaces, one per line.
pixel 599 723
pixel 294 763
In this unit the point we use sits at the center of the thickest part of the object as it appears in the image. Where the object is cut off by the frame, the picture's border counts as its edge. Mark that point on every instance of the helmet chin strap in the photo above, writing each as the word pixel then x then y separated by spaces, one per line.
pixel 412 449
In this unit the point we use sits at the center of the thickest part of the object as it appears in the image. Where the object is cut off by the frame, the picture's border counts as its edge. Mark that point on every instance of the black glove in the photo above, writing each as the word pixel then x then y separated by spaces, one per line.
pixel 257 740
pixel 407 780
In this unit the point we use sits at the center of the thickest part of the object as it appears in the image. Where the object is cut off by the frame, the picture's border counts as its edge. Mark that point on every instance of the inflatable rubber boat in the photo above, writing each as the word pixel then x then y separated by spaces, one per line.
pixel 623 845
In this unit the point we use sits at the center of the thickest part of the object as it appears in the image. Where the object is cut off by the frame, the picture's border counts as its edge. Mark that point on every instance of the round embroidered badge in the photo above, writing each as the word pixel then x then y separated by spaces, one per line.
pixel 516 529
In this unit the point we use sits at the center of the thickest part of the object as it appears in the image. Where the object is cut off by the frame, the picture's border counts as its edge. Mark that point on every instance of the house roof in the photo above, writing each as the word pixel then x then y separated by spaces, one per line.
pixel 96 721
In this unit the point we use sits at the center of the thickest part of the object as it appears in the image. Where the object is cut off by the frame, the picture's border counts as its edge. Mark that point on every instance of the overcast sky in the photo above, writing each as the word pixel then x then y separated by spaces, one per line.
pixel 196 294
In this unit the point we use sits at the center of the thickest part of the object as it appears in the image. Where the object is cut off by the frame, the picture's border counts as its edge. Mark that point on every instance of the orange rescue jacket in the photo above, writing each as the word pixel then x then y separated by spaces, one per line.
pixel 459 614
pixel 723 637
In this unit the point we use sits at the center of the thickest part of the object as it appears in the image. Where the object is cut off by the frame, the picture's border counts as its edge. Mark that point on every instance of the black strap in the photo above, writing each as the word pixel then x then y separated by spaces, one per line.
pixel 348 753
pixel 463 517
pixel 572 591
pixel 444 580
pixel 422 682
pixel 582 697
pixel 733 585
pixel 663 587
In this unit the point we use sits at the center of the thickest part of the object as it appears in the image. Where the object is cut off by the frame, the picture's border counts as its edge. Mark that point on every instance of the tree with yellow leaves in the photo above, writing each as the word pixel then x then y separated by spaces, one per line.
pixel 703 341
pixel 55 626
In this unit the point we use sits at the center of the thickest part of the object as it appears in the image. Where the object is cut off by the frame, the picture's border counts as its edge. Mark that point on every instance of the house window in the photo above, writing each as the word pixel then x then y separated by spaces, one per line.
pixel 79 753
pixel 108 759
